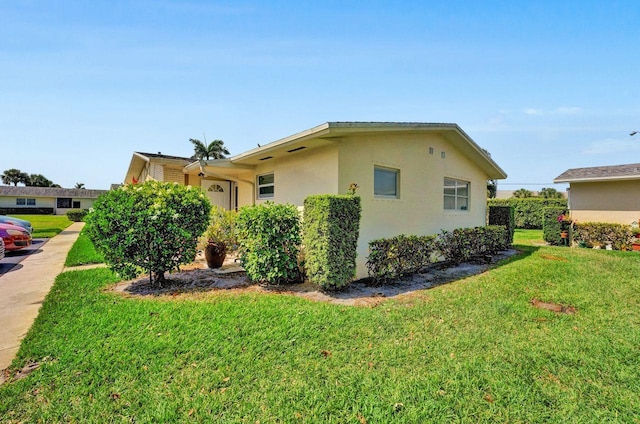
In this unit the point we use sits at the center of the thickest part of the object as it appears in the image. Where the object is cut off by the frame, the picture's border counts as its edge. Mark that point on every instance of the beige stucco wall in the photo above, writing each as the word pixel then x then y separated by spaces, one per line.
pixel 612 201
pixel 302 174
pixel 420 207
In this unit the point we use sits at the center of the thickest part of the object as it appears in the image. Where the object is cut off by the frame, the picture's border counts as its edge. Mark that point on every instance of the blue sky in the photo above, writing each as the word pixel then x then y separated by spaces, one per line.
pixel 543 85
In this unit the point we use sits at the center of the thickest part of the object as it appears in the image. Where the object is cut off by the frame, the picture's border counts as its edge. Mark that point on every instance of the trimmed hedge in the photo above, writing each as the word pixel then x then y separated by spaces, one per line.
pixel 505 216
pixel 26 211
pixel 553 225
pixel 331 226
pixel 528 212
pixel 77 215
pixel 394 257
pixel 591 234
pixel 269 242
pixel 391 258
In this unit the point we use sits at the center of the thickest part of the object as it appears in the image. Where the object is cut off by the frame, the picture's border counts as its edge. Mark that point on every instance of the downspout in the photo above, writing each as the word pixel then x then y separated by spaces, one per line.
pixel 229 178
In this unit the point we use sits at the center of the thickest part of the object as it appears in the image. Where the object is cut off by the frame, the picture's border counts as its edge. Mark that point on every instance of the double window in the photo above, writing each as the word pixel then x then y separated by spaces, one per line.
pixel 456 194
pixel 266 186
pixel 63 203
pixel 25 202
pixel 386 182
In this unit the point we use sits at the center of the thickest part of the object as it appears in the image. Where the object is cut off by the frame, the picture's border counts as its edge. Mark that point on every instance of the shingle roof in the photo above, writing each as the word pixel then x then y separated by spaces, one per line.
pixel 600 173
pixel 78 193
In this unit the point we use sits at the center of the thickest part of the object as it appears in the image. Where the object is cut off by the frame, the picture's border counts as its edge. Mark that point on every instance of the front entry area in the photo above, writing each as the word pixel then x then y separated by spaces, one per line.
pixel 218 192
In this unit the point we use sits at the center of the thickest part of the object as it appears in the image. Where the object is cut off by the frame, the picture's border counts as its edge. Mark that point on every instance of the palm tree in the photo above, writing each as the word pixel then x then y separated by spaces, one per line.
pixel 14 176
pixel 213 150
pixel 79 185
pixel 522 193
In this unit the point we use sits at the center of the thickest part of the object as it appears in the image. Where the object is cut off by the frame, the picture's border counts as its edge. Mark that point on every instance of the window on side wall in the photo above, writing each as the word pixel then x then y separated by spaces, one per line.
pixel 386 182
pixel 456 195
pixel 21 202
pixel 63 203
pixel 266 186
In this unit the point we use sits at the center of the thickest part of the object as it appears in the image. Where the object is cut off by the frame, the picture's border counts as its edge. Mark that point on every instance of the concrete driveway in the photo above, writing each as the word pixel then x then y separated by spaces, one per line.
pixel 24 285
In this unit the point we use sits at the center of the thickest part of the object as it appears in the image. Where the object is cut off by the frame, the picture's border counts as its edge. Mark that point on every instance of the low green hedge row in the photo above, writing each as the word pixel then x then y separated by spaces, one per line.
pixel 77 215
pixel 591 234
pixel 391 258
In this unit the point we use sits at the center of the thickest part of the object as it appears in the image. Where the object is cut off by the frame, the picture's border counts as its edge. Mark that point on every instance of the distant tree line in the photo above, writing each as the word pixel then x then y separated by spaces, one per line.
pixel 15 177
pixel 545 193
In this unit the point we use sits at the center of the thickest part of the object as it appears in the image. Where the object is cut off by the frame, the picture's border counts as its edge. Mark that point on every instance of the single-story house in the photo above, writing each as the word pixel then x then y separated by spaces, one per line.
pixel 413 178
pixel 45 200
pixel 604 193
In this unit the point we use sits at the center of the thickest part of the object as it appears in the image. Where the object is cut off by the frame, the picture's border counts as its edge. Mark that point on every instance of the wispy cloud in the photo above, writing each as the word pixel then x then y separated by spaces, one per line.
pixel 611 145
pixel 562 110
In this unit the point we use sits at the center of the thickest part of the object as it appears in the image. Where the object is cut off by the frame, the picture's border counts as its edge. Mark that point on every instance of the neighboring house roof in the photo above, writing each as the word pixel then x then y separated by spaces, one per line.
pixel 141 159
pixel 600 173
pixel 78 193
pixel 329 132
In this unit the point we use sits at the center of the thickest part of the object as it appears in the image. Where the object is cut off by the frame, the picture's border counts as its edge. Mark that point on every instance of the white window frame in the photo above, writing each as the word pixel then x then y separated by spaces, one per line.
pixel 259 186
pixel 390 170
pixel 457 184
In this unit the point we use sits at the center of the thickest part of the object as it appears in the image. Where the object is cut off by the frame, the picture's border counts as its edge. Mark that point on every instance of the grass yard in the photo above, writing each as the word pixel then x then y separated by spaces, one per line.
pixel 83 252
pixel 474 350
pixel 46 226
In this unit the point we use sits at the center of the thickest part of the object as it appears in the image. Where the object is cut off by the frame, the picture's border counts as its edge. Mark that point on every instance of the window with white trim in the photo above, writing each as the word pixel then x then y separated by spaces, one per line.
pixel 25 202
pixel 456 195
pixel 266 186
pixel 386 182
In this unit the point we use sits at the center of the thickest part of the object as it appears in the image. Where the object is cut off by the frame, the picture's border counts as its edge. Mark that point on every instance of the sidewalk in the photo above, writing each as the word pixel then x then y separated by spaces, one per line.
pixel 23 290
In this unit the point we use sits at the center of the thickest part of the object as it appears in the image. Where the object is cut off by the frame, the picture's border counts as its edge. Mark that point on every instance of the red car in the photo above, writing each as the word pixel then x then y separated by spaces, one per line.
pixel 14 237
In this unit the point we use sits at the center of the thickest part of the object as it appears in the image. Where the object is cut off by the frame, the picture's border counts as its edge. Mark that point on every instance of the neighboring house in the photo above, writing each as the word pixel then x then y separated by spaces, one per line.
pixel 604 193
pixel 413 178
pixel 159 167
pixel 47 200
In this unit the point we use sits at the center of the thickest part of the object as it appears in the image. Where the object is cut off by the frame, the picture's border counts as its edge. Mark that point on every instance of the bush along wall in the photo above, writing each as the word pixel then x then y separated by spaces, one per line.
pixel 528 212
pixel 394 257
pixel 269 242
pixel 77 215
pixel 397 256
pixel 556 220
pixel 331 227
pixel 599 234
pixel 504 216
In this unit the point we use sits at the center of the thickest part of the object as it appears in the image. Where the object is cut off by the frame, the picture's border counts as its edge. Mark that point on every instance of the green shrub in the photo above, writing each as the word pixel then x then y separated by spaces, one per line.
pixel 77 215
pixel 330 237
pixel 269 242
pixel 151 227
pixel 555 221
pixel 504 216
pixel 590 234
pixel 528 212
pixel 465 244
pixel 394 257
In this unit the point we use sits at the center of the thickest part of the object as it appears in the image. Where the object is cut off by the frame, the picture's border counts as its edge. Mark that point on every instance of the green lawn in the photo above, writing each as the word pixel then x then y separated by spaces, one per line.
pixel 528 237
pixel 83 252
pixel 474 350
pixel 46 226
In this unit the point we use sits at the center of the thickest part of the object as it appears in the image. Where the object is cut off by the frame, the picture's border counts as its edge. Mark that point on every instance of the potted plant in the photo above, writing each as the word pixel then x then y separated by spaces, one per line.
pixel 565 229
pixel 219 238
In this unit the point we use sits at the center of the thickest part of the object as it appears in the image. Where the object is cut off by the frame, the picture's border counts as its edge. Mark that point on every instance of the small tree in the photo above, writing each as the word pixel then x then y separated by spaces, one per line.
pixel 492 189
pixel 152 227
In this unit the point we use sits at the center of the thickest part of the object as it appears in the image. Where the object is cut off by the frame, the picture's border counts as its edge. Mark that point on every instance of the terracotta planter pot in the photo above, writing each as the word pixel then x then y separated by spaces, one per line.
pixel 564 234
pixel 215 253
pixel 636 247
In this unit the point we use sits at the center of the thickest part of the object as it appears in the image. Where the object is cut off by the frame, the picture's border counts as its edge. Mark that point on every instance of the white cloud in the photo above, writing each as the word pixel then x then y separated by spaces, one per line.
pixel 611 145
pixel 562 110
pixel 499 118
